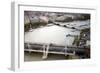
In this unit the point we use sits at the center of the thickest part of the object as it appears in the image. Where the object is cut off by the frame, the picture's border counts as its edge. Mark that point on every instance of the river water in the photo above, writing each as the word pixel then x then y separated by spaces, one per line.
pixel 56 34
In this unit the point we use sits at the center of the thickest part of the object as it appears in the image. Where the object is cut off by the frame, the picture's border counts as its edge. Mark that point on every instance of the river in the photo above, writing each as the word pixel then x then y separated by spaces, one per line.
pixel 56 34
